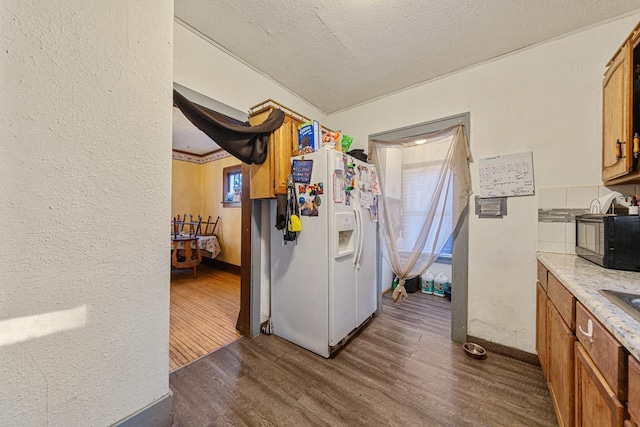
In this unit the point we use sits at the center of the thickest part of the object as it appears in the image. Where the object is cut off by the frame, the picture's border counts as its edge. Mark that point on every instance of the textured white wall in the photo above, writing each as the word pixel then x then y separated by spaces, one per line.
pixel 546 99
pixel 85 160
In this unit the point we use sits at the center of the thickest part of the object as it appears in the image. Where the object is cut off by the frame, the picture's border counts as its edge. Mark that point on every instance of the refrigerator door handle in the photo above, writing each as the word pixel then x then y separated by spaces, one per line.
pixel 357 243
pixel 361 223
pixel 360 241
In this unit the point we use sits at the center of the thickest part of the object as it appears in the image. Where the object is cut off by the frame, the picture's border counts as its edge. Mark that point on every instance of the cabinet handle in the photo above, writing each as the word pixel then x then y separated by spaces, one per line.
pixel 619 153
pixel 589 333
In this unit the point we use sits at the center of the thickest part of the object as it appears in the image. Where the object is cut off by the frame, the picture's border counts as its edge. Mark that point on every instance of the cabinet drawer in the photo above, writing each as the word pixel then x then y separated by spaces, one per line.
pixel 606 352
pixel 563 300
pixel 633 406
pixel 542 275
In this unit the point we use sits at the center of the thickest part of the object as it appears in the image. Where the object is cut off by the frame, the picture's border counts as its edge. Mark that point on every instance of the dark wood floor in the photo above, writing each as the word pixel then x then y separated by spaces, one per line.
pixel 203 313
pixel 402 370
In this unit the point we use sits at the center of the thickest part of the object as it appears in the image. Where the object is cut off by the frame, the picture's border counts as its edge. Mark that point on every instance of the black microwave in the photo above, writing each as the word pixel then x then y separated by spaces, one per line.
pixel 612 241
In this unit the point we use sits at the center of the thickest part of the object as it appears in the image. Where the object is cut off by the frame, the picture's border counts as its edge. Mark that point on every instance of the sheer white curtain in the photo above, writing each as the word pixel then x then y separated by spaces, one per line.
pixel 425 184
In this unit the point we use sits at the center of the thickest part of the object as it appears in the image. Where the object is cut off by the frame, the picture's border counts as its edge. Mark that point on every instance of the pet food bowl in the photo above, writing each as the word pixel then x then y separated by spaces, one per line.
pixel 474 351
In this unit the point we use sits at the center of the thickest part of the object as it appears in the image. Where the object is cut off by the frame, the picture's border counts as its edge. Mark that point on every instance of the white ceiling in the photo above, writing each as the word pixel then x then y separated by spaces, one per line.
pixel 339 53
pixel 188 138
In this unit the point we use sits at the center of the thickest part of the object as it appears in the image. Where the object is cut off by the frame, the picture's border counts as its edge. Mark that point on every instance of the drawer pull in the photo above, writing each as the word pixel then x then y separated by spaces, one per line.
pixel 589 333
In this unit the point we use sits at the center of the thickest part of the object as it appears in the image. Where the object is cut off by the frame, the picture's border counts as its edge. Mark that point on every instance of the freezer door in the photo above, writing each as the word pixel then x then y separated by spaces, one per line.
pixel 300 275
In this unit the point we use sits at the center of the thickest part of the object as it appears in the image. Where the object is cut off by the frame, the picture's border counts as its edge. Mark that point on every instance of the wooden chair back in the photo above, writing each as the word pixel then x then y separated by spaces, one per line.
pixel 192 254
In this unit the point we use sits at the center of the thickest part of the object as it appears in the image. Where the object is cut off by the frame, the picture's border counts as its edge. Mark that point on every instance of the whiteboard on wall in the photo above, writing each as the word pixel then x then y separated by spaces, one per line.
pixel 506 175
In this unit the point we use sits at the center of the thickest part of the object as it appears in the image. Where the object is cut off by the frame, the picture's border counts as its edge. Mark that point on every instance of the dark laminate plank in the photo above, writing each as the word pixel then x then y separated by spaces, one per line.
pixel 400 370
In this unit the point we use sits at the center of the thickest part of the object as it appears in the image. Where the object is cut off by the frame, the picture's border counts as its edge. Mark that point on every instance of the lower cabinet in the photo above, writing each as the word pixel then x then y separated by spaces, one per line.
pixel 592 379
pixel 541 327
pixel 596 403
pixel 560 377
pixel 633 405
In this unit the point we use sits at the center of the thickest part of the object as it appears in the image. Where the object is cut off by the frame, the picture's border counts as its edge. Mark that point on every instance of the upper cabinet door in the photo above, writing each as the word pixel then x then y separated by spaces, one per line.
pixel 616 123
pixel 270 178
pixel 262 176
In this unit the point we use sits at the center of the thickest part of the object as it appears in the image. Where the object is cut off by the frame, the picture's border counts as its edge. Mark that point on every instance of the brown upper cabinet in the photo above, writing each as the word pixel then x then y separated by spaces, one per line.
pixel 270 177
pixel 621 114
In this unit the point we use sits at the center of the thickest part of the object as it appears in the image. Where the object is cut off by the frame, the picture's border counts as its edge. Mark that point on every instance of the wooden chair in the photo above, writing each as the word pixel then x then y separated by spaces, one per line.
pixel 195 228
pixel 210 227
pixel 178 225
pixel 192 255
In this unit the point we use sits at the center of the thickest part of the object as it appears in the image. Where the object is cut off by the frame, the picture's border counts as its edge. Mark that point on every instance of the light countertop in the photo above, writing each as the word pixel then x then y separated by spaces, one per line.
pixel 584 279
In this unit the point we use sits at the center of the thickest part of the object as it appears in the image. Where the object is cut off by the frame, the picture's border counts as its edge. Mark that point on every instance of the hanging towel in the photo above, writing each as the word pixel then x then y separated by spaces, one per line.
pixel 281 211
pixel 247 143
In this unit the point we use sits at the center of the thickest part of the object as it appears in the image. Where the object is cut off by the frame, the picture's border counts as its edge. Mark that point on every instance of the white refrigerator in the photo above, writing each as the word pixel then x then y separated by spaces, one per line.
pixel 323 286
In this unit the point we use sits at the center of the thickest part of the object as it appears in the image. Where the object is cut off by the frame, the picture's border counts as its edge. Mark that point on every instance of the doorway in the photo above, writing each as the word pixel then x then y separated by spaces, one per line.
pixel 208 185
pixel 460 244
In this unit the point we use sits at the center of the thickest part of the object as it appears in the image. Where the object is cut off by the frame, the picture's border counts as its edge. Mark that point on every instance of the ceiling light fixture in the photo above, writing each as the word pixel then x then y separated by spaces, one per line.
pixel 420 141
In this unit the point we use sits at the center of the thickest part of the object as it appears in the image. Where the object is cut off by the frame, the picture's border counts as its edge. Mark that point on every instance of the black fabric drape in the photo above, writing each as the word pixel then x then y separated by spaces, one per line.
pixel 247 143
pixel 281 211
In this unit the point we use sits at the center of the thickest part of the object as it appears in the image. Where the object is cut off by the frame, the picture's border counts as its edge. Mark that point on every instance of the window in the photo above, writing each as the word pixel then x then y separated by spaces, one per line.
pixel 421 180
pixel 447 251
pixel 232 187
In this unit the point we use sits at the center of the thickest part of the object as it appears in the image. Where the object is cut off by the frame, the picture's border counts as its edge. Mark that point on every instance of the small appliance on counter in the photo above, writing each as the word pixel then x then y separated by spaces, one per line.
pixel 612 241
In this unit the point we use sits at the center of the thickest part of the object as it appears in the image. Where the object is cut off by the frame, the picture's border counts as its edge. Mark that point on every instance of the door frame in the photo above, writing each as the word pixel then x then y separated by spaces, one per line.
pixel 248 323
pixel 249 298
pixel 460 258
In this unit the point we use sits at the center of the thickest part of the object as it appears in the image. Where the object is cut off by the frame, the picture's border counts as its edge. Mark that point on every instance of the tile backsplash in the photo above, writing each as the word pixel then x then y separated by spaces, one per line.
pixel 557 208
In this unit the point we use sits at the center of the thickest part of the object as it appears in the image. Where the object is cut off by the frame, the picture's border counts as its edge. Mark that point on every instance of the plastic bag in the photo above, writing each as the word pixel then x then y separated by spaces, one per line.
pixel 345 143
